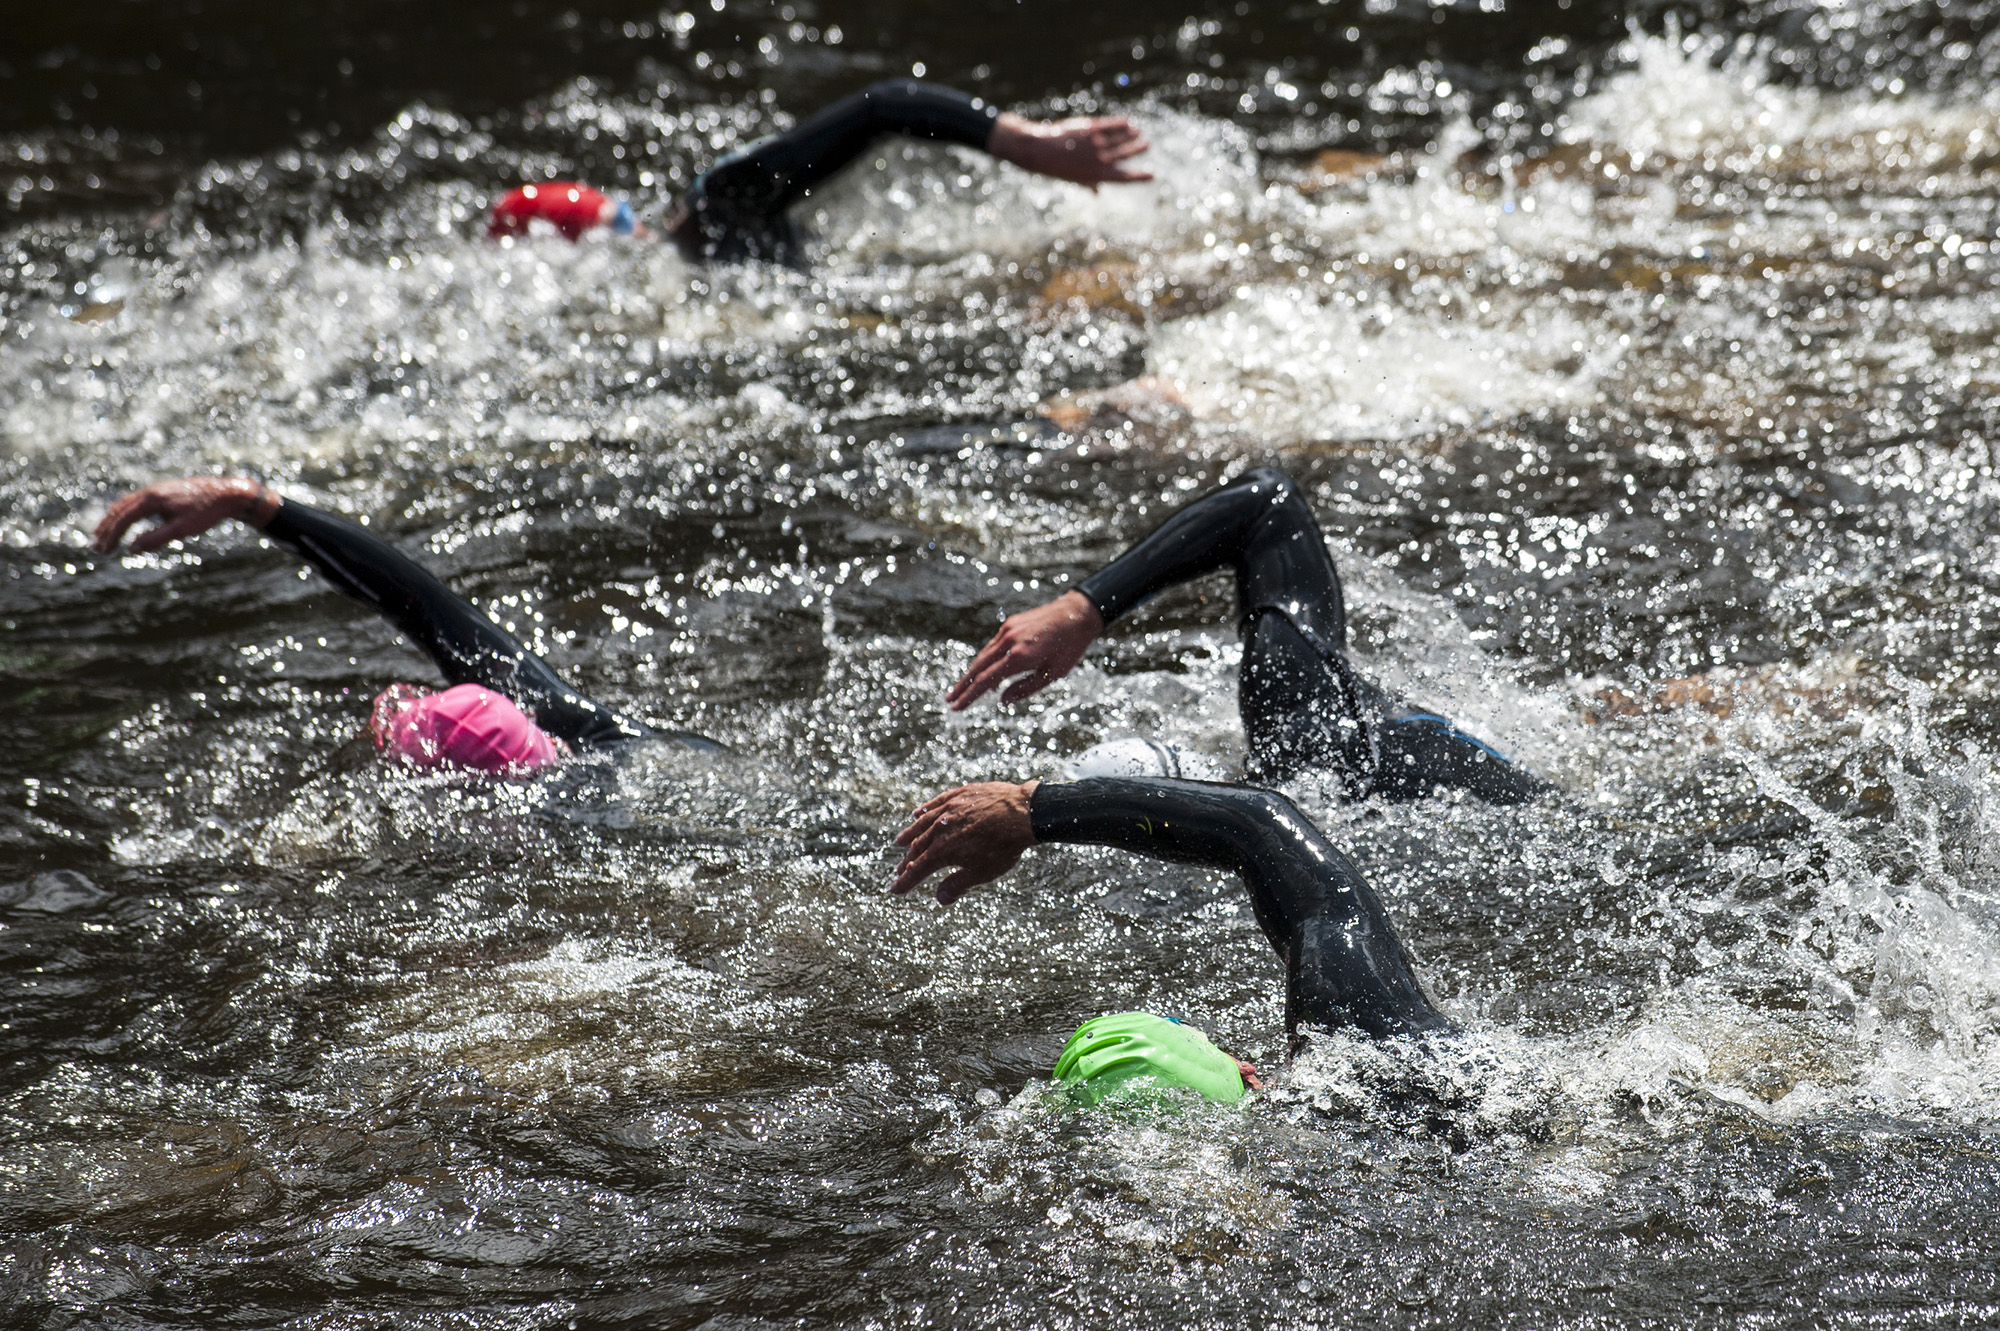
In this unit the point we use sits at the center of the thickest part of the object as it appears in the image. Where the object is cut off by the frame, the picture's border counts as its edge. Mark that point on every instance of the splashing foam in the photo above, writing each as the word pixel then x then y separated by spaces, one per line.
pixel 1395 350
pixel 1289 367
pixel 1692 97
pixel 258 360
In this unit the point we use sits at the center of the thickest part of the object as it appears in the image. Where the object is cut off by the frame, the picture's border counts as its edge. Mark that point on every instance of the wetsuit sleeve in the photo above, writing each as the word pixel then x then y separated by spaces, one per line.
pixel 736 208
pixel 784 167
pixel 468 647
pixel 1262 528
pixel 1344 963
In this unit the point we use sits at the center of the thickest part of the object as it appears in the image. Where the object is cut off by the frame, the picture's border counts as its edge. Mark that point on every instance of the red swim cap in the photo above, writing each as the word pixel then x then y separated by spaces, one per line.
pixel 569 207
pixel 468 725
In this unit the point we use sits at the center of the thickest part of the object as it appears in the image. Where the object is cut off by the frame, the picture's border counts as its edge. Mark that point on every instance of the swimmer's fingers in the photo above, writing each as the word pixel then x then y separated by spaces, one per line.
pixel 944 830
pixel 975 865
pixel 176 528
pixel 979 830
pixel 925 814
pixel 1119 140
pixel 995 648
pixel 187 507
pixel 923 829
pixel 128 509
pixel 909 873
pixel 921 862
pixel 958 884
pixel 977 682
pixel 1031 683
pixel 1043 644
pixel 1085 150
pixel 1108 142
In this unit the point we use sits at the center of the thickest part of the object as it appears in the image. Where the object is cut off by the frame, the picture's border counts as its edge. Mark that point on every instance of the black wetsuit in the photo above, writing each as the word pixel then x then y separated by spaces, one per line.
pixel 737 208
pixel 468 647
pixel 1303 704
pixel 1344 965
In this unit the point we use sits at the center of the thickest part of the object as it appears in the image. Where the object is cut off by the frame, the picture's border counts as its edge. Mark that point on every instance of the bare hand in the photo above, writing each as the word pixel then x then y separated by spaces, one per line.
pixel 982 829
pixel 1042 644
pixel 1087 149
pixel 185 508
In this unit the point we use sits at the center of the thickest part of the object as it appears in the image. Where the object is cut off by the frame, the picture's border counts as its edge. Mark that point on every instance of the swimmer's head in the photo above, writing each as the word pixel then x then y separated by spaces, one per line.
pixel 1132 1054
pixel 1125 757
pixel 465 726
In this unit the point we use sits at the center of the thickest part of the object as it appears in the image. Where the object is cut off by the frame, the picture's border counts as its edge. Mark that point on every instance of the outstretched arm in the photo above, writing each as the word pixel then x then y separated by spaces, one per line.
pixel 1346 966
pixel 468 647
pixel 1259 526
pixel 772 174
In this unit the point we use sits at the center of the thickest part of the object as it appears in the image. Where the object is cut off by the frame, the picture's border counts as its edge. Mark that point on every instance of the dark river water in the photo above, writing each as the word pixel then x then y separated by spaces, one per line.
pixel 1641 365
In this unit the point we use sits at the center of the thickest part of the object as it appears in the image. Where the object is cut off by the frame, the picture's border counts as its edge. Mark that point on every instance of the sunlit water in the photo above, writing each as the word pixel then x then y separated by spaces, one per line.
pixel 1698 383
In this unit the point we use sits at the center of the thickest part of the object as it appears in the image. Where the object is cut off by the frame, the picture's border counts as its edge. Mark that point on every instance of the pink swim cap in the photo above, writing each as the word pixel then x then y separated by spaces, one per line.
pixel 467 725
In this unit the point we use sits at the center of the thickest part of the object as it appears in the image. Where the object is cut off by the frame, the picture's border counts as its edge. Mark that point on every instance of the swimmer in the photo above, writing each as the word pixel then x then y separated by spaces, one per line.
pixel 506 711
pixel 1304 706
pixel 1344 966
pixel 737 208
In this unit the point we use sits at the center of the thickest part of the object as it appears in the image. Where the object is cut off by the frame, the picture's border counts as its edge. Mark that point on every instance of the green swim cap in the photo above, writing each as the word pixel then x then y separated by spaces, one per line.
pixel 1132 1052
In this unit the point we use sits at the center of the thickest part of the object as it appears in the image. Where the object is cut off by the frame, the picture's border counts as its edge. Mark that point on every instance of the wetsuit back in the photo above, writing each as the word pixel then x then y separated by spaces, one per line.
pixel 1303 704
pixel 468 647
pixel 1344 965
pixel 736 208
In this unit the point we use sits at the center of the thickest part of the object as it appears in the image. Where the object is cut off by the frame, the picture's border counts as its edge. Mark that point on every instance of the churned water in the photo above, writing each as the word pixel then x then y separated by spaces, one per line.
pixel 1644 377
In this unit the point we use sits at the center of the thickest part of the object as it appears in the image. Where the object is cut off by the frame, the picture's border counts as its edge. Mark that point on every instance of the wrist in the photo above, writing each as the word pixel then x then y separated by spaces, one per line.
pixel 1083 610
pixel 1010 133
pixel 260 504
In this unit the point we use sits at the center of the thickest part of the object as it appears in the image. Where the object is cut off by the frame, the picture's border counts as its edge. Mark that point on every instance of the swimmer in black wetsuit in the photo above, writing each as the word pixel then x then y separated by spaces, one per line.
pixel 737 209
pixel 1303 704
pixel 1344 966
pixel 507 709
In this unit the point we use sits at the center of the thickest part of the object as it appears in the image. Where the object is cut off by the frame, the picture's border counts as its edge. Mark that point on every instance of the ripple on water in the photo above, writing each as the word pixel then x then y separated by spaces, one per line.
pixel 1653 449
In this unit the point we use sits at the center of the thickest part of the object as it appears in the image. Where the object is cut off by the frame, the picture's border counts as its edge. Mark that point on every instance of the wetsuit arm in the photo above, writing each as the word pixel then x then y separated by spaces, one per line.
pixel 1260 527
pixel 468 647
pixel 756 185
pixel 1345 965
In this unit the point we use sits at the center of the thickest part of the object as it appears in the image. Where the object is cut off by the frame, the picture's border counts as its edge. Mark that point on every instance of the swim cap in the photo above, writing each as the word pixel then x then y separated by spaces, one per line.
pixel 1130 1053
pixel 465 726
pixel 569 207
pixel 1125 757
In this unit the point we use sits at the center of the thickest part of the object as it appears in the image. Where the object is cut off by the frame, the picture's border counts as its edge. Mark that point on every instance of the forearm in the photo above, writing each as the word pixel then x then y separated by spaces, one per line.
pixel 1210 534
pixel 772 174
pixel 367 568
pixel 468 647
pixel 1188 822
pixel 1292 871
pixel 929 111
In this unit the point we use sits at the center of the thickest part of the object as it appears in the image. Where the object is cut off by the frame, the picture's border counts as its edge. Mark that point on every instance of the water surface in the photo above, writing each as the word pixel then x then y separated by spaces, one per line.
pixel 1643 377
